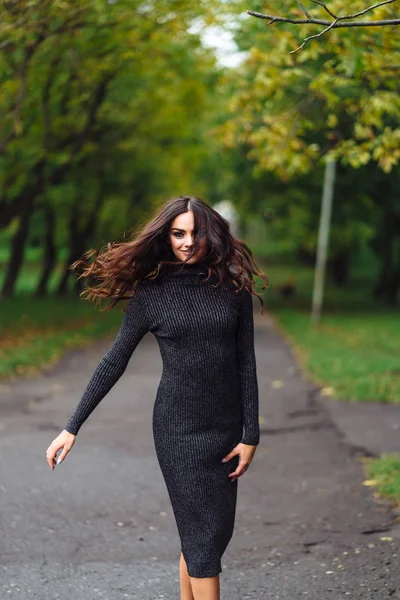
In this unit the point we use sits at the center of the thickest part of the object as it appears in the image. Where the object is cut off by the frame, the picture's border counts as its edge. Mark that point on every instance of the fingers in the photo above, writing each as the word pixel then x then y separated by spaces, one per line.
pixel 240 469
pixel 231 454
pixel 60 443
pixel 63 454
pixel 51 454
pixel 246 454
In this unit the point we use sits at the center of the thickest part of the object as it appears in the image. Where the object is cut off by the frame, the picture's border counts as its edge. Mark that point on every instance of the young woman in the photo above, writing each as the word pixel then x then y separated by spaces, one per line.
pixel 189 283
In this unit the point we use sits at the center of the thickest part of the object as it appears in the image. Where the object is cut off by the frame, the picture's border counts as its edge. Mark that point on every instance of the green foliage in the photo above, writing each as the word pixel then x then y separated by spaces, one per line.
pixel 384 474
pixel 338 95
pixel 112 92
pixel 106 110
pixel 109 108
pixel 288 112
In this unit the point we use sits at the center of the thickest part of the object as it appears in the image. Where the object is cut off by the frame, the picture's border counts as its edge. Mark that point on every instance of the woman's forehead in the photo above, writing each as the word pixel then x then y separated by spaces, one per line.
pixel 184 221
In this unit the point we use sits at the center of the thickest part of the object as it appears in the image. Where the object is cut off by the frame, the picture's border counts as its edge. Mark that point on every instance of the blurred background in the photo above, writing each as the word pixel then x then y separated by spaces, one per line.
pixel 110 108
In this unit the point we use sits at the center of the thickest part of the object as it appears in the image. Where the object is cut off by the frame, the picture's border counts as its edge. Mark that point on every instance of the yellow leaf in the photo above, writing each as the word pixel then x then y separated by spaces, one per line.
pixel 327 391
pixel 277 383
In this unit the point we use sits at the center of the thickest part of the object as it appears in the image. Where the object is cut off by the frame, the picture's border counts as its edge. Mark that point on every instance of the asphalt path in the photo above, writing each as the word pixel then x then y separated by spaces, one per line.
pixel 101 525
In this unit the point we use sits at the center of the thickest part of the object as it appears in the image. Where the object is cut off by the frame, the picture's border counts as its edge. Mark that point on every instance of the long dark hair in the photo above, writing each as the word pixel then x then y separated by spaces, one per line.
pixel 114 271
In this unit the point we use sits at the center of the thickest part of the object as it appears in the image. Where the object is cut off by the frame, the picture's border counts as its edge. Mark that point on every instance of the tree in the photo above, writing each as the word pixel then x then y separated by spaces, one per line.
pixel 335 20
pixel 334 99
pixel 100 100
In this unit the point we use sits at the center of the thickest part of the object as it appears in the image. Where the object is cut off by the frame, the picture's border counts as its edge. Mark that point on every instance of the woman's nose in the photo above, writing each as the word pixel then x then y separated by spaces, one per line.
pixel 189 241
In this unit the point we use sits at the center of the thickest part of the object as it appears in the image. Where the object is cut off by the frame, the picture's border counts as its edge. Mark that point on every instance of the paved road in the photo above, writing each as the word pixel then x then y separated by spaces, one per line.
pixel 100 525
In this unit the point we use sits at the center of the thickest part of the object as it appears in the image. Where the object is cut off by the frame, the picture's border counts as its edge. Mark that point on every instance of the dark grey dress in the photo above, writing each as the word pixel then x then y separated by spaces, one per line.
pixel 207 394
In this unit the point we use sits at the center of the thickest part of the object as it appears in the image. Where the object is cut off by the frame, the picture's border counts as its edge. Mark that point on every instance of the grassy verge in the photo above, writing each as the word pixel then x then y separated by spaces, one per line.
pixel 356 356
pixel 384 475
pixel 35 332
pixel 353 351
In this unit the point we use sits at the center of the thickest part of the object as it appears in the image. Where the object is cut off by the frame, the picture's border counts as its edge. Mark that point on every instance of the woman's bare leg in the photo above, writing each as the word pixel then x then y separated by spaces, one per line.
pixel 205 588
pixel 186 588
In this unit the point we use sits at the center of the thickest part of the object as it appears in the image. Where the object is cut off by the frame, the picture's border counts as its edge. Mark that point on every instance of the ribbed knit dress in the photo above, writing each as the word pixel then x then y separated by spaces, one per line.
pixel 206 402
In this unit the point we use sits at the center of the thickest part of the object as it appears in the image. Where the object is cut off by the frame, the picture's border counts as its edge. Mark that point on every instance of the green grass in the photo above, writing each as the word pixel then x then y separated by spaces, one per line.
pixel 384 475
pixel 32 255
pixel 29 279
pixel 34 332
pixel 355 354
pixel 354 349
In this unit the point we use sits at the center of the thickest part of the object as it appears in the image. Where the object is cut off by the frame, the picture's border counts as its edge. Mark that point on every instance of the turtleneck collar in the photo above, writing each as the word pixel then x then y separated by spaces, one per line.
pixel 179 267
pixel 176 269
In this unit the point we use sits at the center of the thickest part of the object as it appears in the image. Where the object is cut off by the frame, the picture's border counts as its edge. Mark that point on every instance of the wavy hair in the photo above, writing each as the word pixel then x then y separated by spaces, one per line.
pixel 114 271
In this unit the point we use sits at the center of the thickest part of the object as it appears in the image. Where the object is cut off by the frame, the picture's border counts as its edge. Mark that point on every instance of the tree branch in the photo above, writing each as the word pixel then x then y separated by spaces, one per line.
pixel 16 109
pixel 324 22
pixel 312 37
pixel 302 8
pixel 362 12
pixel 10 209
pixel 46 114
pixel 338 21
pixel 330 13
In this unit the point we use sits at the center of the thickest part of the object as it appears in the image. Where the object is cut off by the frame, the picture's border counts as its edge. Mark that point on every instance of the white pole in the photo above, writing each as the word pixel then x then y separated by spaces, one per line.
pixel 323 239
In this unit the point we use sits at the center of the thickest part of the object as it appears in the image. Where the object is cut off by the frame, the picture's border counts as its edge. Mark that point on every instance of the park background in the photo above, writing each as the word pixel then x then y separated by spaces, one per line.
pixel 110 108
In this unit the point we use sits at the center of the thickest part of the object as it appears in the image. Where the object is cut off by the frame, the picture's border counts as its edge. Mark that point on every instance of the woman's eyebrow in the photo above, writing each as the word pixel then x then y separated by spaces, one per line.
pixel 177 228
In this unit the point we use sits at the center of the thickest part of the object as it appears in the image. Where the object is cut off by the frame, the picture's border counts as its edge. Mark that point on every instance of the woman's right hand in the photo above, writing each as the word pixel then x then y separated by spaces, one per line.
pixel 65 441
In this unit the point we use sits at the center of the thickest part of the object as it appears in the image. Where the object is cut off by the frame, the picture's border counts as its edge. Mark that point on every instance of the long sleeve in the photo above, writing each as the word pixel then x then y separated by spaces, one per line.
pixel 247 369
pixel 113 363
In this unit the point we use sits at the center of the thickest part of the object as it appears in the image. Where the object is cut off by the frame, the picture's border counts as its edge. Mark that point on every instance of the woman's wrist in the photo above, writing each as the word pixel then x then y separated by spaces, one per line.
pixel 249 442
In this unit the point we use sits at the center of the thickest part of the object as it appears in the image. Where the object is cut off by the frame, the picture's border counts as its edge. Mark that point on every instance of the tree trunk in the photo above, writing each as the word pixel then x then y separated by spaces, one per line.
pixel 387 248
pixel 388 285
pixel 77 241
pixel 17 253
pixel 384 275
pixel 49 257
pixel 340 268
pixel 75 252
pixel 78 286
pixel 392 290
pixel 25 200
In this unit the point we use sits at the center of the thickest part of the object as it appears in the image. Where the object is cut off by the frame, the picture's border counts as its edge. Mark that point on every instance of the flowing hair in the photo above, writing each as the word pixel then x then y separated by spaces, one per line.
pixel 114 271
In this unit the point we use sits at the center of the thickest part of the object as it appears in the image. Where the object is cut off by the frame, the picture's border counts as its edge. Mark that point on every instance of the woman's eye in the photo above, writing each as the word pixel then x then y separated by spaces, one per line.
pixel 177 234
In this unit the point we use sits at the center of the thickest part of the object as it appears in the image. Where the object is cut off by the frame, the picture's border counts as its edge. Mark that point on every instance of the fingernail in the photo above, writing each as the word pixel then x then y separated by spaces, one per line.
pixel 59 460
pixel 223 460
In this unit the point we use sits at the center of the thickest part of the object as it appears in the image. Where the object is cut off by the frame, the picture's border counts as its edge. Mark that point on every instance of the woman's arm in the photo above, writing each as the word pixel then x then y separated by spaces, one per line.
pixel 246 361
pixel 113 364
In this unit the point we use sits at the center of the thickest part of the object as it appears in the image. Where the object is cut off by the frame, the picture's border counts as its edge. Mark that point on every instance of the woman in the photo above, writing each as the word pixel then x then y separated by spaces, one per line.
pixel 190 283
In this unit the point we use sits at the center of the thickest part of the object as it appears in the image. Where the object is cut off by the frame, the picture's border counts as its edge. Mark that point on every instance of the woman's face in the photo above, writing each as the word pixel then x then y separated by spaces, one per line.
pixel 181 237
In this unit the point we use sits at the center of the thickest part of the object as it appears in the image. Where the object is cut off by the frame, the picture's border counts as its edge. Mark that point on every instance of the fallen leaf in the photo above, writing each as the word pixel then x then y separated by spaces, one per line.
pixel 277 383
pixel 327 391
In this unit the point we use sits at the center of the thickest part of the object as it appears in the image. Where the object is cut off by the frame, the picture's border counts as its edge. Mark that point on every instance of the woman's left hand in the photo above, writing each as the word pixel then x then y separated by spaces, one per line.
pixel 245 453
